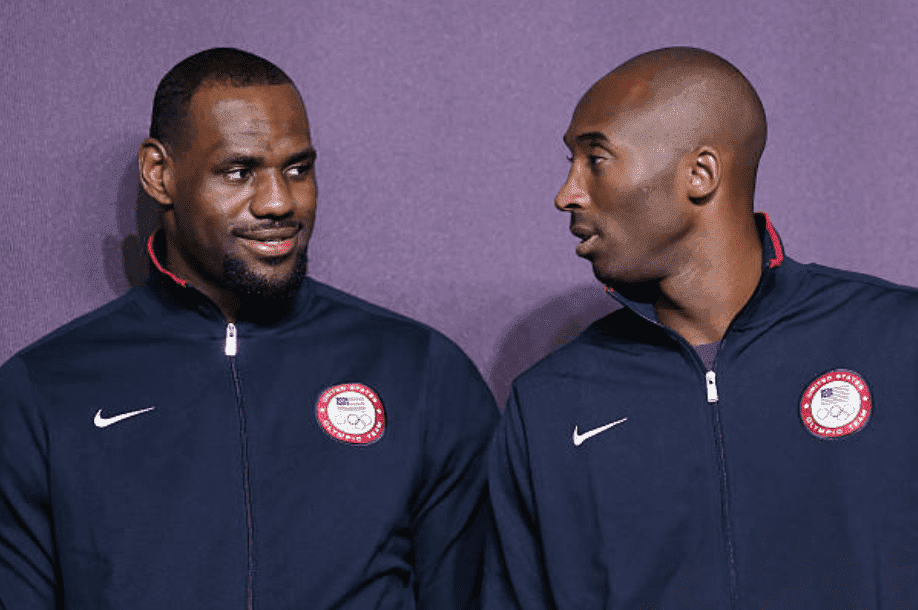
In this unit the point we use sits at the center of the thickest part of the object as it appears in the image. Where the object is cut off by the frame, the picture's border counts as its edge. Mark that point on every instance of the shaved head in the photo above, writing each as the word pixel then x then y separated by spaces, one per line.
pixel 688 98
pixel 664 154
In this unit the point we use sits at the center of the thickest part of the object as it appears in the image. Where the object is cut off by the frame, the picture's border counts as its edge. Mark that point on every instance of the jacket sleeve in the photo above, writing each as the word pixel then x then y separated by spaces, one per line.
pixel 451 510
pixel 27 565
pixel 515 576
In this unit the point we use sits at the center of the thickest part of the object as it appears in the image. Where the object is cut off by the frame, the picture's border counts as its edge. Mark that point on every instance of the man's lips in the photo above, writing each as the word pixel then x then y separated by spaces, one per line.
pixel 587 239
pixel 586 246
pixel 271 248
pixel 272 242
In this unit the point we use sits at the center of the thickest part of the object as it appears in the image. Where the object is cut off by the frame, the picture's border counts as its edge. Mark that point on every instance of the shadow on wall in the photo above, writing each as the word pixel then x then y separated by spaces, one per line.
pixel 125 254
pixel 544 330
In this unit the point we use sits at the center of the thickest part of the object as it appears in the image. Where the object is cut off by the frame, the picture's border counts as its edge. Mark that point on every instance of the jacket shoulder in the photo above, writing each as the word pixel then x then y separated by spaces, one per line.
pixel 93 323
pixel 380 321
pixel 620 331
pixel 831 274
pixel 360 307
pixel 866 297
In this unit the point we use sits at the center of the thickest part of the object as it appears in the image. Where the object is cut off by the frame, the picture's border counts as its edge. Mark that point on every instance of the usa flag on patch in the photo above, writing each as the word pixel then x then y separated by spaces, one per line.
pixel 836 404
pixel 351 413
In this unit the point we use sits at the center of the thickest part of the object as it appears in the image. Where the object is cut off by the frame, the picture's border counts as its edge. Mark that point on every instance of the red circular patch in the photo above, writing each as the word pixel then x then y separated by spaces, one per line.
pixel 351 413
pixel 836 404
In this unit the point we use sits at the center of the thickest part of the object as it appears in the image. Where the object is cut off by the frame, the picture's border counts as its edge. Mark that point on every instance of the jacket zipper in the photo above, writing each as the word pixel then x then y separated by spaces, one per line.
pixel 231 348
pixel 231 345
pixel 714 401
pixel 710 381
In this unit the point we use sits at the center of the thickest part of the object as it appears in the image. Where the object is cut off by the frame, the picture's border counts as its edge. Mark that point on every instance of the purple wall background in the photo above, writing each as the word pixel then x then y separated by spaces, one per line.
pixel 439 136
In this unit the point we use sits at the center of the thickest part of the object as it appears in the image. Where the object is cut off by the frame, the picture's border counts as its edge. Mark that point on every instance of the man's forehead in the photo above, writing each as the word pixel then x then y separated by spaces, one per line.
pixel 253 112
pixel 614 96
pixel 257 101
pixel 631 88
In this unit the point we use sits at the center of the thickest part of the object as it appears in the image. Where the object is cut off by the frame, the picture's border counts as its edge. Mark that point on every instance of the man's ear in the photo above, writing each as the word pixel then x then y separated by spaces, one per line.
pixel 704 173
pixel 155 167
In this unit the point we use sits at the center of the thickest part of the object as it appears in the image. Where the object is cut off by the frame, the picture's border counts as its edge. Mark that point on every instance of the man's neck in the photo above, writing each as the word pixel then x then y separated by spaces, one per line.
pixel 703 298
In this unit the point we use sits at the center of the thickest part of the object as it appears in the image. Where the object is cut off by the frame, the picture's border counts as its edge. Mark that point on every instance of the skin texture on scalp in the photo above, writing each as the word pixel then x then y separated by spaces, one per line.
pixel 695 98
pixel 665 150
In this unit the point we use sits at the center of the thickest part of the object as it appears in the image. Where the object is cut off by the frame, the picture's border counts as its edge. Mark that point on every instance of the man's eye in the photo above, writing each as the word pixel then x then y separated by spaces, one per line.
pixel 594 159
pixel 236 175
pixel 300 170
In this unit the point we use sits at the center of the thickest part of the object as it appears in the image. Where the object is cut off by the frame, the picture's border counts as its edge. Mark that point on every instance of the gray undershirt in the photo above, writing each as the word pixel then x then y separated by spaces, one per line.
pixel 707 352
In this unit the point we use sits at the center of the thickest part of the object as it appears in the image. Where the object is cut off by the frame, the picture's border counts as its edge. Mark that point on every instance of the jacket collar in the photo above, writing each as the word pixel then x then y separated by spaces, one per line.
pixel 180 298
pixel 774 270
pixel 154 243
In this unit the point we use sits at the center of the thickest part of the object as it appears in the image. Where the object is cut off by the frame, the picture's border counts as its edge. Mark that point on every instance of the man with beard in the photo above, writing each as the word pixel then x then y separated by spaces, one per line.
pixel 234 434
pixel 740 434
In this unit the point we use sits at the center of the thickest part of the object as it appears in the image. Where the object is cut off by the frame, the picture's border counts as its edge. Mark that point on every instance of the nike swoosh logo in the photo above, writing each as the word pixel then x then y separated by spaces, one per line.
pixel 102 422
pixel 579 438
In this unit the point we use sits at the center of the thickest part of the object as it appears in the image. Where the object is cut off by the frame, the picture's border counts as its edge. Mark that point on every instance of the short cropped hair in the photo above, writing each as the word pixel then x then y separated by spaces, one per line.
pixel 220 66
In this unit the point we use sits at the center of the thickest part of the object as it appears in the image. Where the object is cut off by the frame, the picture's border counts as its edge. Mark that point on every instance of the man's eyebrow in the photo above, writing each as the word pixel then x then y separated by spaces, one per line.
pixel 243 160
pixel 308 155
pixel 592 136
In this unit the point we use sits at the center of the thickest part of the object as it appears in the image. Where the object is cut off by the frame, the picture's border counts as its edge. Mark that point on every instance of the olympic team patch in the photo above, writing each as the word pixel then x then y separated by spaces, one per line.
pixel 836 404
pixel 352 413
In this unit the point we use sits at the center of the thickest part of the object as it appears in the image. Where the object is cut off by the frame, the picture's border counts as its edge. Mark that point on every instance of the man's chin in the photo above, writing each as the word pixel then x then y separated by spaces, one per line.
pixel 603 274
pixel 251 286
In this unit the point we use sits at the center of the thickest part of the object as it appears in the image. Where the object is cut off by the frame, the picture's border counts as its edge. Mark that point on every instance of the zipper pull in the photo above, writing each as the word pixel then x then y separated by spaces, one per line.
pixel 711 380
pixel 230 339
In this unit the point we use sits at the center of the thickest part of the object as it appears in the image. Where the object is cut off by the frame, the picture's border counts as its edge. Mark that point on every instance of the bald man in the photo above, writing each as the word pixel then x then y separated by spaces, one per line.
pixel 741 433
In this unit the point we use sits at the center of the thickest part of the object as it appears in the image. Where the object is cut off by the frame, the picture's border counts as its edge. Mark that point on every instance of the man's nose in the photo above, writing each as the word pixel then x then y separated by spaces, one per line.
pixel 572 195
pixel 273 196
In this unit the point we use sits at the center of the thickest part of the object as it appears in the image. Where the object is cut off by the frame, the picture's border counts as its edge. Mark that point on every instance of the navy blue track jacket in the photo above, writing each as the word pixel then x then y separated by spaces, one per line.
pixel 624 475
pixel 152 457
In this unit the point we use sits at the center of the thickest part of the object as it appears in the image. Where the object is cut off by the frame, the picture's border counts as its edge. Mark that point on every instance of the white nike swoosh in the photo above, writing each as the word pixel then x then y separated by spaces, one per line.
pixel 579 438
pixel 102 422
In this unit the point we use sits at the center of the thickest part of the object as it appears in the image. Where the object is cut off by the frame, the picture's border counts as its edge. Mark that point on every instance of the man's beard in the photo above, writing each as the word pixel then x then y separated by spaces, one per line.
pixel 258 291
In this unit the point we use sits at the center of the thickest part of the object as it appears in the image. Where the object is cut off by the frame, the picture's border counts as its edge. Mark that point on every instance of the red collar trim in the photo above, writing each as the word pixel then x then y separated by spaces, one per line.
pixel 775 242
pixel 163 270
